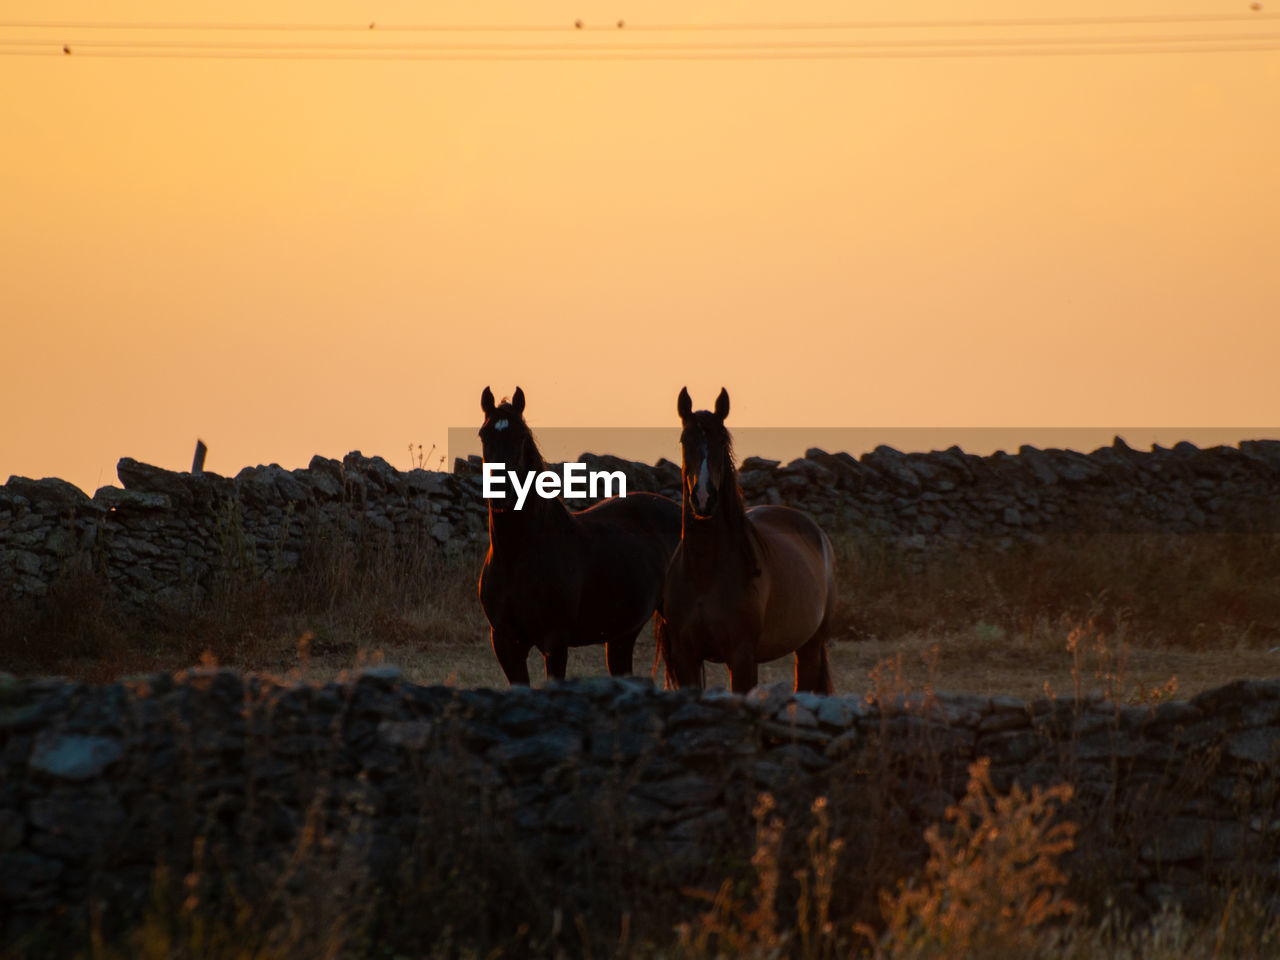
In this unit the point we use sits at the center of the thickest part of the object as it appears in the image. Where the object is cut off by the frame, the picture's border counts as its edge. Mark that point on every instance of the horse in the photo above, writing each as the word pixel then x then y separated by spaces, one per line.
pixel 744 586
pixel 554 578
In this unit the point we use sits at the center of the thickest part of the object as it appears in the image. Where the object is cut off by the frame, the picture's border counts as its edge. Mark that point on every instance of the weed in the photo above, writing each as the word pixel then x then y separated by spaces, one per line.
pixel 991 882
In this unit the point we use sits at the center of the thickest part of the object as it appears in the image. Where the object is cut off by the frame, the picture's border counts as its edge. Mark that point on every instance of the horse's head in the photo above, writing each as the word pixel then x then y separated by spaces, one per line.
pixel 504 436
pixel 707 472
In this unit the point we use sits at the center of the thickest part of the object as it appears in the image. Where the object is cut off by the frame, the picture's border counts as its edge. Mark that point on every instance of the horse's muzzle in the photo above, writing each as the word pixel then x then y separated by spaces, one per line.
pixel 703 499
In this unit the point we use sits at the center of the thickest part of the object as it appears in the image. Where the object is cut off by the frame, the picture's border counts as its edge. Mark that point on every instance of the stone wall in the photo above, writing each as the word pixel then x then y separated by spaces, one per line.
pixel 172 537
pixel 99 784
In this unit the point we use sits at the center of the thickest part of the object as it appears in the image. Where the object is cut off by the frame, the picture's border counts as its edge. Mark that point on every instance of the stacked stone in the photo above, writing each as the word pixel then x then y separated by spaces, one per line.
pixel 169 538
pixel 98 784
pixel 48 529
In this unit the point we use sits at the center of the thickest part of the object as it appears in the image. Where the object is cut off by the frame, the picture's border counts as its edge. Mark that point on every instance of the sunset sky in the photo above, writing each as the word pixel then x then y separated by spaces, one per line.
pixel 295 254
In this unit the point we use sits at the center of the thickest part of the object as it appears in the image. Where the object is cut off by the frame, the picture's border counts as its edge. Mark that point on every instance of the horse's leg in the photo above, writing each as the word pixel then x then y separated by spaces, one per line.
pixel 555 655
pixel 744 672
pixel 813 672
pixel 690 674
pixel 824 675
pixel 618 654
pixel 557 662
pixel 513 657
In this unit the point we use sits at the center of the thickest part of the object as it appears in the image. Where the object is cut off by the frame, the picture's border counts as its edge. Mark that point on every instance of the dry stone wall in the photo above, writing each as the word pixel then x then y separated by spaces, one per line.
pixel 99 784
pixel 171 538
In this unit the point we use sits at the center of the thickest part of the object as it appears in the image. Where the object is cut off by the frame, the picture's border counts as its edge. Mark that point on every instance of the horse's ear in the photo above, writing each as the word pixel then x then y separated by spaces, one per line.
pixel 722 404
pixel 486 402
pixel 684 405
pixel 517 401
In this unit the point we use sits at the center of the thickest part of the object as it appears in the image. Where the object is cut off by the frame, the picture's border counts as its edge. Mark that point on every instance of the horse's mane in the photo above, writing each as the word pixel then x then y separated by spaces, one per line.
pixel 535 455
pixel 735 507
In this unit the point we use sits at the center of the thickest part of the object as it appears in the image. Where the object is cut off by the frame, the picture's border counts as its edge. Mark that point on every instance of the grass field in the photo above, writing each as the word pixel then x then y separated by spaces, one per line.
pixel 1140 618
pixel 1143 612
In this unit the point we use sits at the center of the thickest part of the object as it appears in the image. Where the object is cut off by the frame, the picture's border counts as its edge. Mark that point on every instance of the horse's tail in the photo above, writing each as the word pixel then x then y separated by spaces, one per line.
pixel 828 615
pixel 662 648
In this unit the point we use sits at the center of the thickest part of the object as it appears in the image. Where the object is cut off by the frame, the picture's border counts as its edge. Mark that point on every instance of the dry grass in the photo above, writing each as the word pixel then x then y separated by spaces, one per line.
pixel 1203 609
pixel 1141 618
pixel 992 882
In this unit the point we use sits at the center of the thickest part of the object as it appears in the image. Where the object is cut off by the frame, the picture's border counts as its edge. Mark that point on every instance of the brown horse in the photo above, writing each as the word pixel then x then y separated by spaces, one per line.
pixel 744 586
pixel 555 579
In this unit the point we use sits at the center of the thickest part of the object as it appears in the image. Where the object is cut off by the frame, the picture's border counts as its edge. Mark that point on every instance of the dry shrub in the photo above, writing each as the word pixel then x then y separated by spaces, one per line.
pixel 734 927
pixel 991 882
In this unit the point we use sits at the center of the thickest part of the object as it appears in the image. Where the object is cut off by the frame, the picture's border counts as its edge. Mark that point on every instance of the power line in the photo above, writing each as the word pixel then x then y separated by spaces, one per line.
pixel 625 26
pixel 718 49
pixel 622 55
pixel 552 48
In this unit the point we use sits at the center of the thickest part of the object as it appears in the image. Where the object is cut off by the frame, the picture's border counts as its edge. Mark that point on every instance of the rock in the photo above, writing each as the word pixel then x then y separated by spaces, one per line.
pixel 1260 746
pixel 326 477
pixel 696 713
pixel 374 471
pixel 148 479
pixel 769 698
pixel 115 498
pixel 269 485
pixel 812 472
pixel 795 715
pixel 840 712
pixel 51 492
pixel 70 757
pixel 998 722
pixel 12 830
pixel 893 465
pixel 24 875
pixel 711 742
pixel 625 738
pixel 1238 694
pixel 1009 747
pixel 77 821
pixel 379 674
pixel 682 792
pixel 702 829
pixel 406 734
pixel 540 751
pixel 24 716
pixel 1182 839
pixel 1173 712
pixel 1040 465
pixel 785 732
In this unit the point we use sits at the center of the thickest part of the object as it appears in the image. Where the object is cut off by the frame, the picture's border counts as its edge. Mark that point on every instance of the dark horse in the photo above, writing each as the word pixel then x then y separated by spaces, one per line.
pixel 744 586
pixel 555 579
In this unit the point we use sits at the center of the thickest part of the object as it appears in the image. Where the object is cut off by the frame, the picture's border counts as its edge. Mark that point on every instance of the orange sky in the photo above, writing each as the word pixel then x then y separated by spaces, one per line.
pixel 289 257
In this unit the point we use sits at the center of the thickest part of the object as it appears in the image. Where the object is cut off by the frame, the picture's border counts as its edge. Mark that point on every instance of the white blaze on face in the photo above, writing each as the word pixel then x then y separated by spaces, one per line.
pixel 501 425
pixel 702 485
